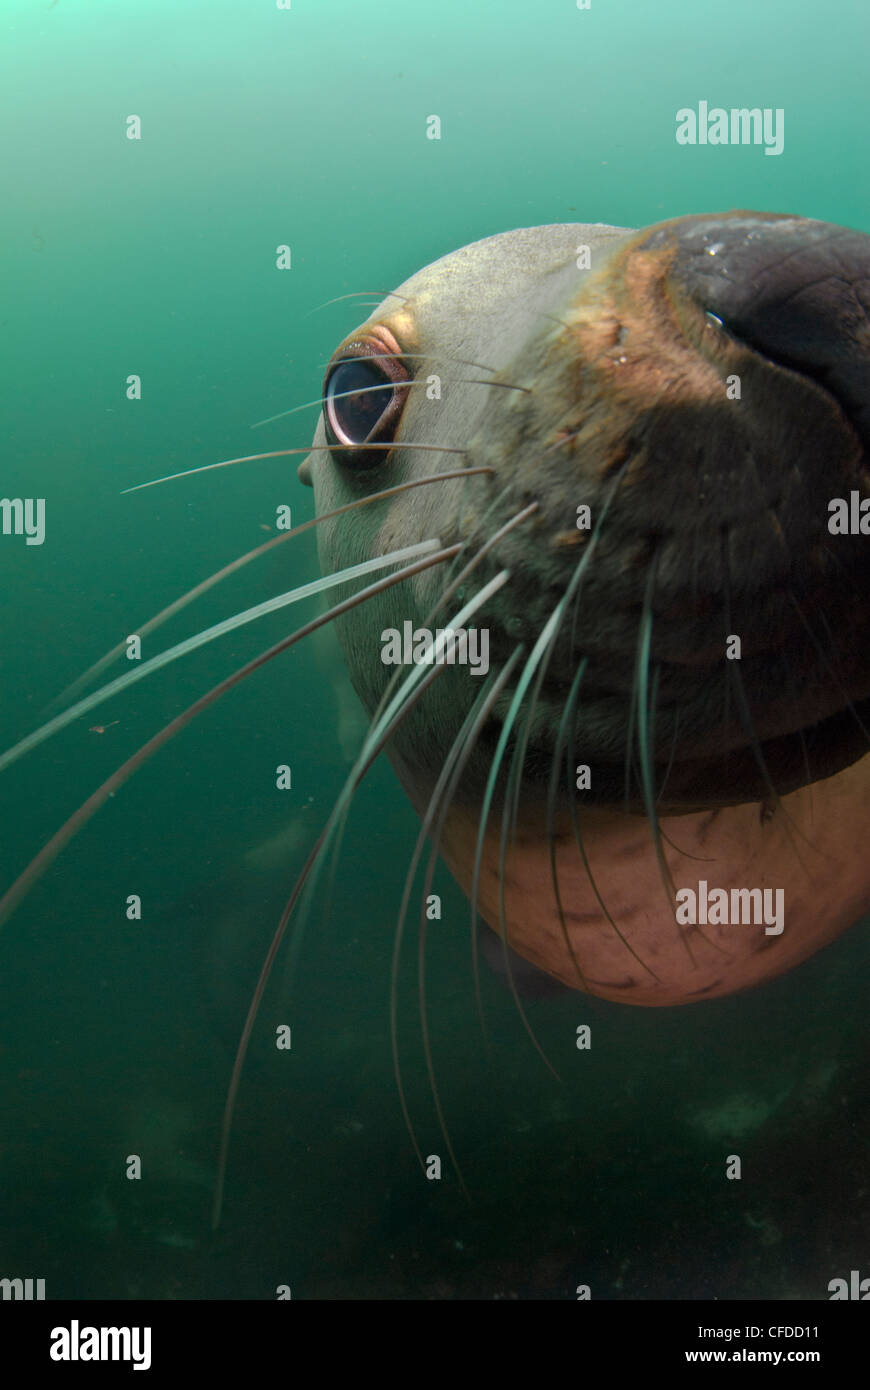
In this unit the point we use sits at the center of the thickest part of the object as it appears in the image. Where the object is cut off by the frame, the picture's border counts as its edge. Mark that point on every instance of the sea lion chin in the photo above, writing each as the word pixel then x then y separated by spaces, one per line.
pixel 662 422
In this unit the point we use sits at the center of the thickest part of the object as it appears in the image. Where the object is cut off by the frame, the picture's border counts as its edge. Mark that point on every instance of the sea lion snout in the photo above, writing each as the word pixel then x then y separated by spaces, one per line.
pixel 698 392
pixel 707 387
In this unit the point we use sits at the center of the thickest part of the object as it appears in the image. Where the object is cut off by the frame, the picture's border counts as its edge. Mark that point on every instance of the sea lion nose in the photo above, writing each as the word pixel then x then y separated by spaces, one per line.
pixel 795 290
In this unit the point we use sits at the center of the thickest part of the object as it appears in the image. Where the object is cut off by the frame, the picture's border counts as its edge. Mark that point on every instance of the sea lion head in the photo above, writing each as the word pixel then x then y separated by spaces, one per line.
pixel 707 381
pixel 688 409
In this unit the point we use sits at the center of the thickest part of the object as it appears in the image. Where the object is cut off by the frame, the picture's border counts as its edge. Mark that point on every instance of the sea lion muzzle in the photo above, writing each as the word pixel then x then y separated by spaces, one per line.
pixel 720 368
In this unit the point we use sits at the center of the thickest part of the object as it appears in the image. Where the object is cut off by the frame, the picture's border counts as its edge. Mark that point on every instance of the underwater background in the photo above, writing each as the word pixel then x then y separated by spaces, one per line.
pixel 306 125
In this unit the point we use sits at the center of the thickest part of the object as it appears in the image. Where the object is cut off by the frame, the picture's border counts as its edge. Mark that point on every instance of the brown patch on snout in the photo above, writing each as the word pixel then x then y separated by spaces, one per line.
pixel 640 346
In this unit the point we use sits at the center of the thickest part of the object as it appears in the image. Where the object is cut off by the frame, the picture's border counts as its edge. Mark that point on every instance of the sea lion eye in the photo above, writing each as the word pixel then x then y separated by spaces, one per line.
pixel 354 416
pixel 363 395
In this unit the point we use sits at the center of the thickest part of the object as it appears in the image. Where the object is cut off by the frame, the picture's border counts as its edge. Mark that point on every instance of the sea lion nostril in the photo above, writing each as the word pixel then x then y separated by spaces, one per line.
pixel 794 290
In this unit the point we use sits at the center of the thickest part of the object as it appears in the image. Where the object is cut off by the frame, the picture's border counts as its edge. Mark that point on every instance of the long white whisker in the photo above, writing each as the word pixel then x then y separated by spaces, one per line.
pixel 387 386
pixel 241 560
pixel 285 453
pixel 377 736
pixel 209 634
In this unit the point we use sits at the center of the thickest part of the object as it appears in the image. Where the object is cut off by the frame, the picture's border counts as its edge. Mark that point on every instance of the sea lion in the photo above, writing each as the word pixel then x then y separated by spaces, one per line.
pixel 702 387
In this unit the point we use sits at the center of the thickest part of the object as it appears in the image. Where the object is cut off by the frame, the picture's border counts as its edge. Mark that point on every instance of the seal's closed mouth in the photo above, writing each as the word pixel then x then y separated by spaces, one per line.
pixel 755 772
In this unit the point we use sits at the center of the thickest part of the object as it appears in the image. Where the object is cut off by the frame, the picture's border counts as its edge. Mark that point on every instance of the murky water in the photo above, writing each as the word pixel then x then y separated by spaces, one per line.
pixel 155 258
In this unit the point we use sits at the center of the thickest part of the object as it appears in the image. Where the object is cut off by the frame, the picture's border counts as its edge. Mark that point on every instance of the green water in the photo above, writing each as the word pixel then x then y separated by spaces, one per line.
pixel 157 257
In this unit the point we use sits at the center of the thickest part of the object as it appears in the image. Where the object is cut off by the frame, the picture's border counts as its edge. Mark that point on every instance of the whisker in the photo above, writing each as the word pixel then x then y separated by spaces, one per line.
pixel 478 556
pixel 439 802
pixel 581 848
pixel 356 294
pixel 388 710
pixel 449 590
pixel 321 400
pixel 566 724
pixel 387 386
pixel 826 660
pixel 744 714
pixel 671 755
pixel 401 356
pixel 792 689
pixel 522 685
pixel 377 736
pixel 444 598
pixel 306 879
pixel 83 814
pixel 697 858
pixel 572 597
pixel 446 595
pixel 508 831
pixel 287 453
pixel 210 634
pixel 242 560
pixel 552 788
pixel 429 357
pixel 630 749
pixel 642 700
pixel 491 507
pixel 453 586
